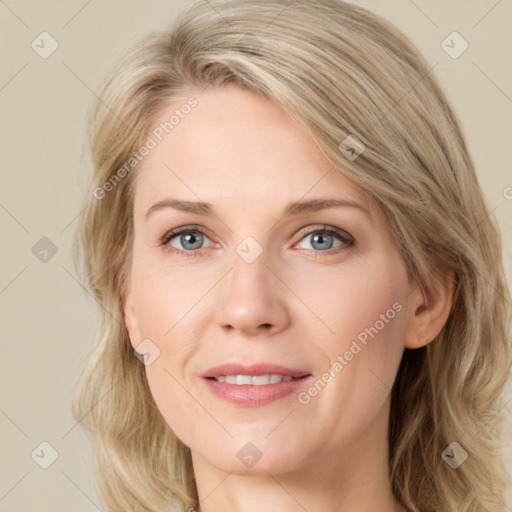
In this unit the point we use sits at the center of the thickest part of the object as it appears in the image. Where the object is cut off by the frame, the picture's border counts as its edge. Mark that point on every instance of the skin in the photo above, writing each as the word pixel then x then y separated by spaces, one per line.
pixel 295 305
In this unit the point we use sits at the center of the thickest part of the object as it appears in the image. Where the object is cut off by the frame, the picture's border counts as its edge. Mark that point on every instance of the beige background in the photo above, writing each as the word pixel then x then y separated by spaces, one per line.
pixel 47 319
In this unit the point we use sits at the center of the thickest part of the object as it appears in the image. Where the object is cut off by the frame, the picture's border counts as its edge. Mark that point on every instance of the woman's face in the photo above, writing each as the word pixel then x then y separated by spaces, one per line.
pixel 256 281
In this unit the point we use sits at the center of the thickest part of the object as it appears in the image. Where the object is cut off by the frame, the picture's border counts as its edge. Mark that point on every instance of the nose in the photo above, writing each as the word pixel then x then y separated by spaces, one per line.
pixel 252 299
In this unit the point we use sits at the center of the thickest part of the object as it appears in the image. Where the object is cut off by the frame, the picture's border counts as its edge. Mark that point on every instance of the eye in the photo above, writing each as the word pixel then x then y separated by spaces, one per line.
pixel 323 240
pixel 189 240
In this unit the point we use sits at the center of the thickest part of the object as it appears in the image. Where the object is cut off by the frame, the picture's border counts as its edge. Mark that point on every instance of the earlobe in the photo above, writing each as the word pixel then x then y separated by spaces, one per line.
pixel 429 311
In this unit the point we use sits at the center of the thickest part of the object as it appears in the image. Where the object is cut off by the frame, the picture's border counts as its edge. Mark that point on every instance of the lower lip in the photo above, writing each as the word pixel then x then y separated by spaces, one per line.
pixel 254 396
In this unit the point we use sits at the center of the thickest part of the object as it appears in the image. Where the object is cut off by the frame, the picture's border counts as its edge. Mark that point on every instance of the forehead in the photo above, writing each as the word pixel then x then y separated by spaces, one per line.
pixel 235 148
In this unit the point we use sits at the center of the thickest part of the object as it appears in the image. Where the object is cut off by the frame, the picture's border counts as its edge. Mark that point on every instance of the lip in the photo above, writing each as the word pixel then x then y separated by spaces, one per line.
pixel 254 369
pixel 249 395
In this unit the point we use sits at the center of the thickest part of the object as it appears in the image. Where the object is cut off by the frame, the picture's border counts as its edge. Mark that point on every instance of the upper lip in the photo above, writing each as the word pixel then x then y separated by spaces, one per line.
pixel 253 369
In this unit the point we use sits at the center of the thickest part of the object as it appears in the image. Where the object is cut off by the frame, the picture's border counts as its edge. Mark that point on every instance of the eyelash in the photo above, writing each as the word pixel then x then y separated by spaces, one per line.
pixel 345 237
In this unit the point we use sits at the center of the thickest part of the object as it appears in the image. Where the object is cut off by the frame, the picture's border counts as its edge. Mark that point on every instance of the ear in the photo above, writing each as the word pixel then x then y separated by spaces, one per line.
pixel 130 319
pixel 428 310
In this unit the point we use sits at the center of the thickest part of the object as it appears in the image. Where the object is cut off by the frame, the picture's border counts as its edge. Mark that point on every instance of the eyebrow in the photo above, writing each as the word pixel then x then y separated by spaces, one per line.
pixel 295 208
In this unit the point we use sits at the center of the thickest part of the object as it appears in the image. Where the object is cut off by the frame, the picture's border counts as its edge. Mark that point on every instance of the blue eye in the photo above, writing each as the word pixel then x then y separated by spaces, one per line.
pixel 191 239
pixel 322 239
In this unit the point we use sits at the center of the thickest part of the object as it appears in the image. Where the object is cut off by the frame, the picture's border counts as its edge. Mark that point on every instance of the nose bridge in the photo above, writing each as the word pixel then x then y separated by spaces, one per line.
pixel 250 275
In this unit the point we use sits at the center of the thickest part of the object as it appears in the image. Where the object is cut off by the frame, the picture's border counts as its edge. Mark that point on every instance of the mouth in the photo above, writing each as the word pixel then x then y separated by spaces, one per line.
pixel 254 385
pixel 255 380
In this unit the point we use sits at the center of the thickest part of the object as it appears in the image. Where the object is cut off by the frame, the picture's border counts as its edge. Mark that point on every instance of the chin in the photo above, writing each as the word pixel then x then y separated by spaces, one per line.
pixel 251 458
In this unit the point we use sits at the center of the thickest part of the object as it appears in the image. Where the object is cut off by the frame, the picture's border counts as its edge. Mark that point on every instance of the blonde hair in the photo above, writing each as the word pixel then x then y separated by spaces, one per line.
pixel 339 71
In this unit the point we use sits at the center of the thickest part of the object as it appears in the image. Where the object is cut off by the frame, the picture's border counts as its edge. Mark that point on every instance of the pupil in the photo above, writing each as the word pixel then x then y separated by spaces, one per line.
pixel 320 238
pixel 190 238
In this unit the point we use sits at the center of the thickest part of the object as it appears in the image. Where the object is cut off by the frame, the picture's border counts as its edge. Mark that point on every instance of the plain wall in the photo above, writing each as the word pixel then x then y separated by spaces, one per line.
pixel 47 319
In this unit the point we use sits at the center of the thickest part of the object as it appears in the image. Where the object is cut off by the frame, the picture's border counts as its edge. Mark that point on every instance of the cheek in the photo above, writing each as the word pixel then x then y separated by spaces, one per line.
pixel 163 297
pixel 164 305
pixel 366 309
pixel 363 302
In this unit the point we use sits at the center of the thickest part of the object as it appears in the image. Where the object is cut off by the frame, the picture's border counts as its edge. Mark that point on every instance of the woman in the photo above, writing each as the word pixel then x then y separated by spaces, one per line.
pixel 258 369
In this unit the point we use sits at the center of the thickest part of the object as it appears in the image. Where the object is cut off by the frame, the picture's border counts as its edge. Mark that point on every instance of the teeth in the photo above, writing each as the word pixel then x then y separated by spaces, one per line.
pixel 254 380
pixel 243 379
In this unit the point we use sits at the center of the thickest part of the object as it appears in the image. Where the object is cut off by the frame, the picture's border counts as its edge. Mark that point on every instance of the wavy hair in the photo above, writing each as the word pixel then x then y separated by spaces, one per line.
pixel 339 71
